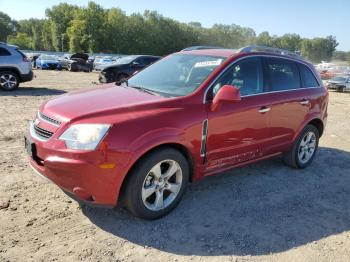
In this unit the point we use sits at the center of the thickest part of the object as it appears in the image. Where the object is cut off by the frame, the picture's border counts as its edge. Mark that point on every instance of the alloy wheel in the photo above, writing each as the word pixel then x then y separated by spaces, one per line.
pixel 8 81
pixel 162 185
pixel 307 147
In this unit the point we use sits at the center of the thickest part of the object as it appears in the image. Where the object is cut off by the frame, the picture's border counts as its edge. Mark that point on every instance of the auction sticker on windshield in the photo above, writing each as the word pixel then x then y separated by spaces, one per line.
pixel 208 63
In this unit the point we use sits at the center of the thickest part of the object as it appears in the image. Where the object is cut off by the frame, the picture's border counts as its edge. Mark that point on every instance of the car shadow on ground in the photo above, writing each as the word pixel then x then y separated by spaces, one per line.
pixel 259 209
pixel 32 91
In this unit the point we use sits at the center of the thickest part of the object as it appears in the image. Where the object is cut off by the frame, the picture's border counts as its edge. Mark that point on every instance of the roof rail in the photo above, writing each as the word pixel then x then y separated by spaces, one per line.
pixel 201 47
pixel 257 48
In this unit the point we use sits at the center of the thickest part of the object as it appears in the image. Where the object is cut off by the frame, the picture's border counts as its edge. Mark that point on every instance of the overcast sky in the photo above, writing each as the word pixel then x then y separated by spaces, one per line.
pixel 309 18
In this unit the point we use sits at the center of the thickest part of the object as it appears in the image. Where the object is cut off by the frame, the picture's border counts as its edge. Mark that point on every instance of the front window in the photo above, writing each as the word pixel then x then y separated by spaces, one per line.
pixel 176 75
pixel 245 75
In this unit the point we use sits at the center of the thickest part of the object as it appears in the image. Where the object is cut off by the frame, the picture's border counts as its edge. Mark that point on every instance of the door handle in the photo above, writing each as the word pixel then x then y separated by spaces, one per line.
pixel 304 102
pixel 264 109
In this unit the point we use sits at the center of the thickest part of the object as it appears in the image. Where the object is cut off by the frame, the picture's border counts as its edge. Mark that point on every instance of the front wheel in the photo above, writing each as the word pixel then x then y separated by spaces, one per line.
pixel 341 89
pixel 156 184
pixel 304 148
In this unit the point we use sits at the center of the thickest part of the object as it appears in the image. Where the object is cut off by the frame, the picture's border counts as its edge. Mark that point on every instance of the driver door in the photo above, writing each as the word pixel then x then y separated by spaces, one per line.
pixel 237 132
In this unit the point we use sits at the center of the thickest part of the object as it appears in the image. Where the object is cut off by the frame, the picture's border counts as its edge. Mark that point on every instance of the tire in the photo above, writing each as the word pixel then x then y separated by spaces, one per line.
pixel 107 77
pixel 301 156
pixel 121 77
pixel 149 197
pixel 341 89
pixel 9 81
pixel 69 68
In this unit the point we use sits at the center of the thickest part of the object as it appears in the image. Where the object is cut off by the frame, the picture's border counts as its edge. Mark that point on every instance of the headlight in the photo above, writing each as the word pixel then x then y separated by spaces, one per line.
pixel 84 136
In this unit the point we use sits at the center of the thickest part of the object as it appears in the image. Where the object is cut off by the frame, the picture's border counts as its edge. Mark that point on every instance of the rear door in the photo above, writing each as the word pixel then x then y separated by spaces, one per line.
pixel 291 93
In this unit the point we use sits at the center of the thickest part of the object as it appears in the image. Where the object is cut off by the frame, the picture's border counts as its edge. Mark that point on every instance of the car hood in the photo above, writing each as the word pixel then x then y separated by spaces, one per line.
pixel 99 102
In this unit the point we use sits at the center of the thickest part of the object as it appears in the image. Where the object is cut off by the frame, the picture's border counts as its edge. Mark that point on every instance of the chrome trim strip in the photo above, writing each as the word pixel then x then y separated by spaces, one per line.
pixel 40 116
pixel 204 138
pixel 274 56
pixel 264 110
pixel 34 134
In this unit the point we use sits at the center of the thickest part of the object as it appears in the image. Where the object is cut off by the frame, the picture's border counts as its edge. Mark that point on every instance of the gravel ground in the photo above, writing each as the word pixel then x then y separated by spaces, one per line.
pixel 262 212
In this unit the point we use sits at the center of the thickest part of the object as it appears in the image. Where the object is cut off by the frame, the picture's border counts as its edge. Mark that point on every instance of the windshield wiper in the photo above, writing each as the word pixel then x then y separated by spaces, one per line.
pixel 125 81
pixel 145 90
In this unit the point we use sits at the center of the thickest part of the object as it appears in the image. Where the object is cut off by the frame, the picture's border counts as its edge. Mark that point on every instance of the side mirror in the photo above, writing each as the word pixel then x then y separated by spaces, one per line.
pixel 227 93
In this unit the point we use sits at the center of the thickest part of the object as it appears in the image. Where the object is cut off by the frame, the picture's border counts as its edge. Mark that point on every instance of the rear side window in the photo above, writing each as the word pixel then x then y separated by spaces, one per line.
pixel 307 76
pixel 281 74
pixel 23 55
pixel 4 52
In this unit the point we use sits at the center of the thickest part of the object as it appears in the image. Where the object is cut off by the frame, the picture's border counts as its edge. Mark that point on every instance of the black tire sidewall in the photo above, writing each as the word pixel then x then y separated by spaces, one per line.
pixel 308 128
pixel 133 198
pixel 13 74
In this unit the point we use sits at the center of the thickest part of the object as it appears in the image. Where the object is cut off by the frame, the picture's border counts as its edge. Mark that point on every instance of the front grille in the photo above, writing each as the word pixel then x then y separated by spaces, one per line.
pixel 49 119
pixel 42 132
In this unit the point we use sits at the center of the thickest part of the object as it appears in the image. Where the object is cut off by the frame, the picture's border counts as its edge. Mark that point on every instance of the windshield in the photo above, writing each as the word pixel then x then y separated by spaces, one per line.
pixel 176 75
pixel 125 60
pixel 48 57
pixel 339 78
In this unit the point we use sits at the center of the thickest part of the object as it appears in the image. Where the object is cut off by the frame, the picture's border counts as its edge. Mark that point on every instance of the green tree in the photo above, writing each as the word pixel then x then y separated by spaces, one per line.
pixel 22 40
pixel 7 26
pixel 60 17
pixel 319 49
pixel 78 39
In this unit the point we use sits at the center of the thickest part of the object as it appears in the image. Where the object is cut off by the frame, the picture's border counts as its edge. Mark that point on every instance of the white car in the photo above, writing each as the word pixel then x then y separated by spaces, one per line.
pixel 15 67
pixel 339 83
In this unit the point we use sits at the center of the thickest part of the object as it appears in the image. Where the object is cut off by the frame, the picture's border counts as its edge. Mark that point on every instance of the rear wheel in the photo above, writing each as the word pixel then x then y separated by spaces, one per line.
pixel 304 148
pixel 9 81
pixel 156 184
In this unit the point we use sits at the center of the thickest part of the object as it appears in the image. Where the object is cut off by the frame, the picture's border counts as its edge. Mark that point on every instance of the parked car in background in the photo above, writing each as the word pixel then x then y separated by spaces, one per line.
pixel 48 62
pixel 76 62
pixel 327 74
pixel 125 67
pixel 102 62
pixel 190 115
pixel 15 67
pixel 339 83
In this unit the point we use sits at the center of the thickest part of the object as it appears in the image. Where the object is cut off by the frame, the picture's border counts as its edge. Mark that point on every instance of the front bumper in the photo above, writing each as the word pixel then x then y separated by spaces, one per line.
pixel 78 174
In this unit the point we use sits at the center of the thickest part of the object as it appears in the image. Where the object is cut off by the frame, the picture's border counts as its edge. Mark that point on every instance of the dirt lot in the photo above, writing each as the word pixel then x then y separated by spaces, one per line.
pixel 263 212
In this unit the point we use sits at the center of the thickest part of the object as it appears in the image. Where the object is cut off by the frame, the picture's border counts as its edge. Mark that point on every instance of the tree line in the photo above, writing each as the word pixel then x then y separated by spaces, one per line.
pixel 95 29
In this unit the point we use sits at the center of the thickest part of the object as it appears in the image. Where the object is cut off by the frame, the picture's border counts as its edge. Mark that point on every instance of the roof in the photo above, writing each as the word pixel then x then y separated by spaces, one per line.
pixel 256 49
pixel 8 45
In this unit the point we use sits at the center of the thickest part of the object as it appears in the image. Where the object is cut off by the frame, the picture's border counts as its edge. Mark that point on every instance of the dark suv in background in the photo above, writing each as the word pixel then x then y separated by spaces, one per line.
pixel 125 67
pixel 15 67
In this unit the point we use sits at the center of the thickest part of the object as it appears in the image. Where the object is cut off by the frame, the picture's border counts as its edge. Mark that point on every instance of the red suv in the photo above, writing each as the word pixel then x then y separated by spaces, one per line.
pixel 191 114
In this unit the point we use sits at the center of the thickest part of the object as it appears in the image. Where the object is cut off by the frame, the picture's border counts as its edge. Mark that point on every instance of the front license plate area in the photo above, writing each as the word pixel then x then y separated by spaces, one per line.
pixel 30 147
